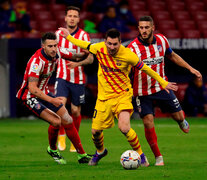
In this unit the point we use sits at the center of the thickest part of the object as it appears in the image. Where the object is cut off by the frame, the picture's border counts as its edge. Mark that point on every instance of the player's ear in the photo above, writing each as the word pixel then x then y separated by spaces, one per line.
pixel 153 27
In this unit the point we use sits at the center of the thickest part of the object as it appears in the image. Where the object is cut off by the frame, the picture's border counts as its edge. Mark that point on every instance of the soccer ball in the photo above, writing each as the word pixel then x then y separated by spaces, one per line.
pixel 130 159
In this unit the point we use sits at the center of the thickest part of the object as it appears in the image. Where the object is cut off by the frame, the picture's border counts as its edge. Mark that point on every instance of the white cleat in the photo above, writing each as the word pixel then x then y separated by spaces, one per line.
pixel 184 126
pixel 159 161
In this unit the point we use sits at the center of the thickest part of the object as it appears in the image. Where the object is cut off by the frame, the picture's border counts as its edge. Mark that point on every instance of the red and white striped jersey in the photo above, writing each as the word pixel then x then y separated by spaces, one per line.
pixel 75 75
pixel 40 66
pixel 153 56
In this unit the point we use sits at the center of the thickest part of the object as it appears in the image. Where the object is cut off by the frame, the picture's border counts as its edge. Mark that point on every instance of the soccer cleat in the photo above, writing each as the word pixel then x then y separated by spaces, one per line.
pixel 184 126
pixel 61 142
pixel 55 154
pixel 159 161
pixel 96 158
pixel 84 158
pixel 144 161
pixel 72 148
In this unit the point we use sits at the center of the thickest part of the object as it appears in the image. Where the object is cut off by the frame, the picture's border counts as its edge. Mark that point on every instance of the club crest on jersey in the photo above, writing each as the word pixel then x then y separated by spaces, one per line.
pixel 159 47
pixel 38 106
pixel 118 63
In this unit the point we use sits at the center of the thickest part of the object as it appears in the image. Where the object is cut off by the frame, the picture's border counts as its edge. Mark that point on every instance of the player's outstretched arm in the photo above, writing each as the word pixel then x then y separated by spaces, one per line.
pixel 88 60
pixel 77 42
pixel 180 62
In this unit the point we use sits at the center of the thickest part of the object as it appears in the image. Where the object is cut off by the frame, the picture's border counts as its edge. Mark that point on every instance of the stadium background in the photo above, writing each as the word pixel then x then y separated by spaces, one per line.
pixel 184 22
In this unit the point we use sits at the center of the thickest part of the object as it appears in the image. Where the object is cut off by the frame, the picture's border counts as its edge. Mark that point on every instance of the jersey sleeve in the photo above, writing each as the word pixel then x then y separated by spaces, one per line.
pixel 134 59
pixel 35 67
pixel 63 53
pixel 167 44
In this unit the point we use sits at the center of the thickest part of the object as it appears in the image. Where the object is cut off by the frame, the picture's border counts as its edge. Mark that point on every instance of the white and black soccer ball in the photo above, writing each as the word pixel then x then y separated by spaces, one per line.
pixel 130 159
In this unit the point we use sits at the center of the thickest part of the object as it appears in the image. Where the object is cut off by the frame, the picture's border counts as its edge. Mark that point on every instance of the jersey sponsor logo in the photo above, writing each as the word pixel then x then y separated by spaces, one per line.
pixel 109 69
pixel 152 61
pixel 67 50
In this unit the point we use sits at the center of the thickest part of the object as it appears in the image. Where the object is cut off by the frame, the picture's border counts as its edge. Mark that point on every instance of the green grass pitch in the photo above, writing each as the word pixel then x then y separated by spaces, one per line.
pixel 23 155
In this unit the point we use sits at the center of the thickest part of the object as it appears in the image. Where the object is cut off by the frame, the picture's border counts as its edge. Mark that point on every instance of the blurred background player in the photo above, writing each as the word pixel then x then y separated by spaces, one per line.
pixel 195 100
pixel 112 20
pixel 70 82
pixel 114 90
pixel 151 49
pixel 35 95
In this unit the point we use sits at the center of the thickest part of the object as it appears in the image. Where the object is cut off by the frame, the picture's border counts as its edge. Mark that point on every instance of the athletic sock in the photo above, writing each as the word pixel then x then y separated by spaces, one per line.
pixel 52 136
pixel 99 142
pixel 61 130
pixel 77 121
pixel 73 135
pixel 151 137
pixel 134 141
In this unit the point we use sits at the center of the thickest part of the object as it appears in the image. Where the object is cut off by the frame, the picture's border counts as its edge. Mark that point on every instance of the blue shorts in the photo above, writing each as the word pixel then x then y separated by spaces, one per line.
pixel 37 105
pixel 166 101
pixel 76 92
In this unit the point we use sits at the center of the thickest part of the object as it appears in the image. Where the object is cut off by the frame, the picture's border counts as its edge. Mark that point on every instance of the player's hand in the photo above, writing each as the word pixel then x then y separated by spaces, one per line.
pixel 196 73
pixel 72 65
pixel 64 33
pixel 57 101
pixel 171 86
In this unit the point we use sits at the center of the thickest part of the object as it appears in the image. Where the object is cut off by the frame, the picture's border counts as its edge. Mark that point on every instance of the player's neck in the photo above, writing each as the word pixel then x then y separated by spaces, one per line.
pixel 72 29
pixel 149 41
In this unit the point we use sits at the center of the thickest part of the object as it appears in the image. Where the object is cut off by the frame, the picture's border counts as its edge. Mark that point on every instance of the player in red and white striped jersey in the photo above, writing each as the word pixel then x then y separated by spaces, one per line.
pixel 70 82
pixel 35 95
pixel 151 49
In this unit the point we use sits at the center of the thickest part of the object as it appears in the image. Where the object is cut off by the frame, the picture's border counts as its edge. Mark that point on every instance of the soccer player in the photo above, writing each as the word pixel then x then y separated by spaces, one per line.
pixel 114 90
pixel 35 95
pixel 70 82
pixel 151 49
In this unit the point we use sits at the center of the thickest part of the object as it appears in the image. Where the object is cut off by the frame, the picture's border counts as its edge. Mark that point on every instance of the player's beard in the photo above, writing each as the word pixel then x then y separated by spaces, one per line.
pixel 71 27
pixel 147 38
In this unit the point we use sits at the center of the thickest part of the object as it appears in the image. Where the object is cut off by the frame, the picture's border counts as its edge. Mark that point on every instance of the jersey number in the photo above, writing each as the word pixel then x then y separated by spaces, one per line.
pixel 32 102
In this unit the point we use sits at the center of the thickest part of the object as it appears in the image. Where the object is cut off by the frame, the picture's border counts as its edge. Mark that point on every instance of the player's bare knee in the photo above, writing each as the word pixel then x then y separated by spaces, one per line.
pixel 75 112
pixel 56 122
pixel 124 129
pixel 66 119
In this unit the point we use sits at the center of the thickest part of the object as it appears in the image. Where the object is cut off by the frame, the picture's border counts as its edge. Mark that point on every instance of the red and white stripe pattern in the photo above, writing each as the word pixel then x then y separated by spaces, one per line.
pixel 75 75
pixel 153 56
pixel 41 67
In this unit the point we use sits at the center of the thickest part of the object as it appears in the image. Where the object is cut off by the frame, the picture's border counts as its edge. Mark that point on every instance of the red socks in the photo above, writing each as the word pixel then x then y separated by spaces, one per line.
pixel 151 137
pixel 77 121
pixel 52 136
pixel 73 135
pixel 61 130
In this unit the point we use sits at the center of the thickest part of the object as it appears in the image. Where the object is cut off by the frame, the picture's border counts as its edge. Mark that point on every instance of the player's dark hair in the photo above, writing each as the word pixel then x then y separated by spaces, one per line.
pixel 72 8
pixel 146 18
pixel 48 35
pixel 113 33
